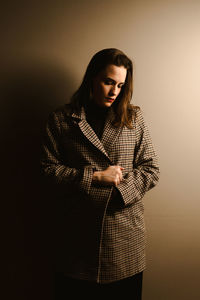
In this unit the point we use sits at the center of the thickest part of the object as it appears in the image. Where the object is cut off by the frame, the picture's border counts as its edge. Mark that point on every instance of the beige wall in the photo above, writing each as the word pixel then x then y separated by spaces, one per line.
pixel 54 40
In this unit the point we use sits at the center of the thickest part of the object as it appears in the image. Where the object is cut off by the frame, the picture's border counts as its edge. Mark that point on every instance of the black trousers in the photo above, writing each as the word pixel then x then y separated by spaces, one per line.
pixel 67 288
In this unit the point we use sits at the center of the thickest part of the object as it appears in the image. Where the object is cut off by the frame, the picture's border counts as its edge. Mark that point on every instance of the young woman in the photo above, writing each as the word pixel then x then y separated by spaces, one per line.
pixel 98 153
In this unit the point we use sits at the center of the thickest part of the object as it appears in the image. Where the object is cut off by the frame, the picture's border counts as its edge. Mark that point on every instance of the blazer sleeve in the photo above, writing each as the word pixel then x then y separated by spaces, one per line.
pixel 145 173
pixel 52 166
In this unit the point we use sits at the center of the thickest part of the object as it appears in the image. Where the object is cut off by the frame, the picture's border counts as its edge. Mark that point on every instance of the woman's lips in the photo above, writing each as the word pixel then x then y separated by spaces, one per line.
pixel 110 99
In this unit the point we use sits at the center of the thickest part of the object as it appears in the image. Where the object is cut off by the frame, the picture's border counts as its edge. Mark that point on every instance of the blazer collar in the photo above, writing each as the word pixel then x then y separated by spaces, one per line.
pixel 79 115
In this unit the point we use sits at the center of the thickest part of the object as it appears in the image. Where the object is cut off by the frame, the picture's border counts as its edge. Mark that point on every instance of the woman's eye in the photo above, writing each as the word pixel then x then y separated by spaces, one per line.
pixel 108 82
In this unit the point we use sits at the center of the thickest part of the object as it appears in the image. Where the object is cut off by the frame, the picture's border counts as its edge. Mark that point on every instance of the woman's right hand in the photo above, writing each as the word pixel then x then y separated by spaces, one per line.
pixel 110 176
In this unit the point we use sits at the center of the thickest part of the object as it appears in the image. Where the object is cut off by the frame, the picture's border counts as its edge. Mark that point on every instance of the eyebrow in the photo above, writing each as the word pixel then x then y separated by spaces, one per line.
pixel 108 78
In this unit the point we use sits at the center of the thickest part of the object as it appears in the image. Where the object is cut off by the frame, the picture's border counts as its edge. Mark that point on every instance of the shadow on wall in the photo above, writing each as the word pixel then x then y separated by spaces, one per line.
pixel 29 93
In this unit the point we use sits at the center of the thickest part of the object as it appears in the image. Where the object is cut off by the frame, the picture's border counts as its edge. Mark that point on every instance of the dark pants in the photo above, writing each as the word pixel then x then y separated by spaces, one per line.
pixel 68 288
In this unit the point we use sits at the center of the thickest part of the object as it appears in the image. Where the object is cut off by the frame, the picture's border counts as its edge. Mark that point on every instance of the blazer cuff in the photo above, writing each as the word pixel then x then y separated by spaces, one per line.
pixel 86 180
pixel 126 193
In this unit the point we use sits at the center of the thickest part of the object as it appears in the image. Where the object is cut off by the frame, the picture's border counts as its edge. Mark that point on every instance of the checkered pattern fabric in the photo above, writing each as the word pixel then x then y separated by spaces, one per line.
pixel 101 237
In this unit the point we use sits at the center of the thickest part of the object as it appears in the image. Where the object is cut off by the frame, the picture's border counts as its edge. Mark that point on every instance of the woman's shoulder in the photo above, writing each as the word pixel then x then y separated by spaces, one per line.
pixel 134 108
pixel 138 115
pixel 135 111
pixel 62 111
pixel 58 115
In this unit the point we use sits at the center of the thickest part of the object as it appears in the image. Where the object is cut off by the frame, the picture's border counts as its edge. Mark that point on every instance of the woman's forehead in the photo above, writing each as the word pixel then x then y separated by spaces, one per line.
pixel 117 73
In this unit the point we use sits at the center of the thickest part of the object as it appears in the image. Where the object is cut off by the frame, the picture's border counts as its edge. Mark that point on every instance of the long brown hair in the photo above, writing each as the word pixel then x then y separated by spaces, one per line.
pixel 124 111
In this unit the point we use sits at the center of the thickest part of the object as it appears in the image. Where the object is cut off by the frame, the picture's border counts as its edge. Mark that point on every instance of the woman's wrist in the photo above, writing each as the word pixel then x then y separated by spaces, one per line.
pixel 96 176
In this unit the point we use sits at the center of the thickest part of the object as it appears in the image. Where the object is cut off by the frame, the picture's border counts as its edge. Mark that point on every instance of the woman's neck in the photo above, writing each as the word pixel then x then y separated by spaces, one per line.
pixel 95 109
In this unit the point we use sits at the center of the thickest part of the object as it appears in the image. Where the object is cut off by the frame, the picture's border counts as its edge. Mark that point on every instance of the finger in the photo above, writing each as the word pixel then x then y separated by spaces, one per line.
pixel 119 179
pixel 120 173
pixel 116 182
pixel 120 167
pixel 120 176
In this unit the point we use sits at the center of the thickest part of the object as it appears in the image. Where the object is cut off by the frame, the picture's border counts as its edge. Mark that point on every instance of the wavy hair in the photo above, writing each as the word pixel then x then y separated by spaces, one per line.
pixel 124 111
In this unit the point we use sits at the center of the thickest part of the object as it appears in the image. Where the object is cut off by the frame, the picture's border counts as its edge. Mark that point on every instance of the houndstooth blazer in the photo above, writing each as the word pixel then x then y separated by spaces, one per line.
pixel 101 236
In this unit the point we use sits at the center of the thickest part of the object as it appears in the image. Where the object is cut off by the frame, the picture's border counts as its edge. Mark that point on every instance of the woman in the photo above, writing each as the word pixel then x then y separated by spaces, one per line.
pixel 98 153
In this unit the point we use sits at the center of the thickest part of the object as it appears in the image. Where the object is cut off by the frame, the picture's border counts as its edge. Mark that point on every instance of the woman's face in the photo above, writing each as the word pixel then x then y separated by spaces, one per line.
pixel 108 84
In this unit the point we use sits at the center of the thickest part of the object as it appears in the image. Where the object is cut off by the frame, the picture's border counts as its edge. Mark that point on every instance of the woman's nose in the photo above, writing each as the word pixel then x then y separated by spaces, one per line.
pixel 113 90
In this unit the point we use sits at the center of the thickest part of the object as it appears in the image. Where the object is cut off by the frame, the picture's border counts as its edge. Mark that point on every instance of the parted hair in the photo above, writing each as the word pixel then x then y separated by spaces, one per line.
pixel 124 111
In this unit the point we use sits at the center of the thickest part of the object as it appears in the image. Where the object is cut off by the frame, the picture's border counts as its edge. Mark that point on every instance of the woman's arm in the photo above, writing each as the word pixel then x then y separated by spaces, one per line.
pixel 51 161
pixel 145 173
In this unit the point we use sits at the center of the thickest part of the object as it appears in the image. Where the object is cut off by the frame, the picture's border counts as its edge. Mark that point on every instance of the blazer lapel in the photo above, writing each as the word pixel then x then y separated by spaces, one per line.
pixel 110 132
pixel 89 132
pixel 91 136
